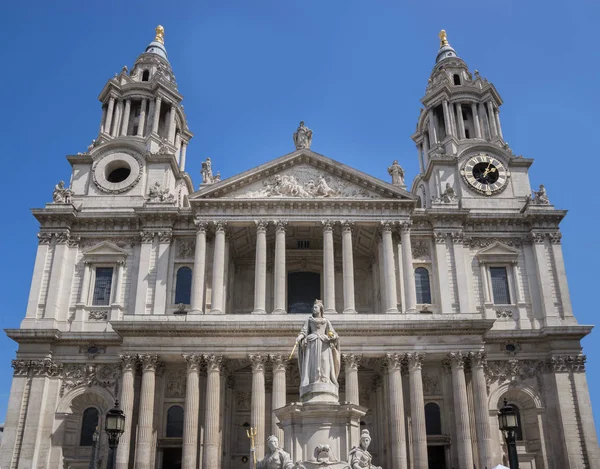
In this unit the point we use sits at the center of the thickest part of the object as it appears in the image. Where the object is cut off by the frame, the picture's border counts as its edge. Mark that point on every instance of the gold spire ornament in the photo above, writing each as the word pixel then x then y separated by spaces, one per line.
pixel 160 34
pixel 443 38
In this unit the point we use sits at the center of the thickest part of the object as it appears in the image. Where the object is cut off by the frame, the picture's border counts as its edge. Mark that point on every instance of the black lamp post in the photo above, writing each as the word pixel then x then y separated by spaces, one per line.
pixel 94 458
pixel 509 424
pixel 115 426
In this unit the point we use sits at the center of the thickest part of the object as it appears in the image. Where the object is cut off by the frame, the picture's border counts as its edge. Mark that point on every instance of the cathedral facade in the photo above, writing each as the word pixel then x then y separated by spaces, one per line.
pixel 448 297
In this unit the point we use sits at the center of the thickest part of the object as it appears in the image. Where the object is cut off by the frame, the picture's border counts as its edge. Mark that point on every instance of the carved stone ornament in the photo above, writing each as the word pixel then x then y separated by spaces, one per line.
pixel 504 313
pixel 514 370
pixel 539 197
pixel 397 174
pixel 257 361
pixel 175 383
pixel 98 315
pixel 128 362
pixel 420 250
pixel 44 238
pixel 351 360
pixel 278 361
pixel 446 197
pixel 474 242
pixel 159 194
pixel 431 384
pixel 243 400
pixel 207 173
pixel 304 181
pixel 43 367
pixel 193 362
pixel 302 137
pixel 124 159
pixel 214 363
pixel 61 194
pixel 78 374
pixel 562 363
pixel 324 454
pixel 185 248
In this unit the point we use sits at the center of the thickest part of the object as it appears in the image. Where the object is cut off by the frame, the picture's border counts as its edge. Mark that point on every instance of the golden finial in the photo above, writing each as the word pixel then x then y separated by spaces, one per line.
pixel 160 34
pixel 443 38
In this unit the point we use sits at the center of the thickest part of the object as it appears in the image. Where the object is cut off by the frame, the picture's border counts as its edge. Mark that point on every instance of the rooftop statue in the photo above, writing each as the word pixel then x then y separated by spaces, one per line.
pixel 302 137
pixel 397 174
pixel 61 194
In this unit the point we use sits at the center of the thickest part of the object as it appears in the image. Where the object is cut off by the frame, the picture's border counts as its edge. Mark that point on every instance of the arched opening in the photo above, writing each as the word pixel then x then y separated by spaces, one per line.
pixel 457 79
pixel 146 75
pixel 174 422
pixel 303 289
pixel 422 286
pixel 433 419
pixel 183 286
pixel 89 422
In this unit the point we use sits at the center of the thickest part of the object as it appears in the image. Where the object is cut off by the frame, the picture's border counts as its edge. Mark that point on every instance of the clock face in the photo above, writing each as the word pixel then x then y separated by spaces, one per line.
pixel 485 174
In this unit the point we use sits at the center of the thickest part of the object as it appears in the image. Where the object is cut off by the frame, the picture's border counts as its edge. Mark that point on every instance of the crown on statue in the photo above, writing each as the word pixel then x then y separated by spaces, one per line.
pixel 319 303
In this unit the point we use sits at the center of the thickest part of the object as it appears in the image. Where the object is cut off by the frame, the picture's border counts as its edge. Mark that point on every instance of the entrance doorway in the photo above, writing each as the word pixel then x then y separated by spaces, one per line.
pixel 172 458
pixel 436 455
pixel 303 289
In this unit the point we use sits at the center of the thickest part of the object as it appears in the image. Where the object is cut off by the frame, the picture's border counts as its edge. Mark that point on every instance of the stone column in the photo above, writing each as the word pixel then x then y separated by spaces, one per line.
pixel 421 160
pixel 156 115
pixel 491 119
pixel 145 430
pixel 393 362
pixel 142 118
pixel 125 120
pixel 190 414
pixel 461 122
pixel 540 250
pixel 198 274
pixel 391 295
pixel 279 363
pixel 147 239
pixel 280 269
pixel 213 393
pixel 584 405
pixel 162 271
pixel 116 293
pixel 476 122
pixel 183 155
pixel 409 272
pixel 103 118
pixel 109 115
pixel 447 123
pixel 461 410
pixel 218 268
pixel 171 128
pixel 257 406
pixel 442 265
pixel 128 363
pixel 328 269
pixel 348 268
pixel 417 406
pixel 498 126
pixel 561 275
pixel 481 114
pixel 85 284
pixel 114 131
pixel 432 131
pixel 480 400
pixel 351 363
pixel 462 265
pixel 260 269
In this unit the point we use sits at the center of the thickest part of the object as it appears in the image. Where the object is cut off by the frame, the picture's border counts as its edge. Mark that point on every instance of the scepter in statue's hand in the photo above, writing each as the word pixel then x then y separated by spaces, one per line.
pixel 251 434
pixel 293 350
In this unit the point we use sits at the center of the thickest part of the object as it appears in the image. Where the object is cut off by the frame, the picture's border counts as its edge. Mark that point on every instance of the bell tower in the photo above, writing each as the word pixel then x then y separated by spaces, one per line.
pixel 463 156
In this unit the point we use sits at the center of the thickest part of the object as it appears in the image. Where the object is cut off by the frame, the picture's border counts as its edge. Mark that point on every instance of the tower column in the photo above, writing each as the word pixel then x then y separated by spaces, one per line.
pixel 125 121
pixel 498 126
pixel 183 154
pixel 114 131
pixel 328 268
pixel 142 118
pixel 482 419
pixel 391 296
pixel 128 363
pixel 447 121
pixel 109 115
pixel 103 119
pixel 260 269
pixel 257 406
pixel 410 291
pixel 417 406
pixel 425 151
pixel 476 120
pixel 280 269
pixel 348 268
pixel 461 121
pixel 171 129
pixel 481 113
pixel 492 119
pixel 145 431
pixel 420 155
pixel 279 363
pixel 461 411
pixel 432 129
pixel 218 269
pixel 156 114
pixel 198 274
pixel 213 401
pixel 397 440
pixel 190 414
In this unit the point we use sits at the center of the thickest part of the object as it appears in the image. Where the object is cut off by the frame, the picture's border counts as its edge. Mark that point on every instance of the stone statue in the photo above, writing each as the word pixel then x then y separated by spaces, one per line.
pixel 302 137
pixel 397 174
pixel 359 456
pixel 277 458
pixel 62 195
pixel 322 189
pixel 206 171
pixel 540 197
pixel 318 355
pixel 157 193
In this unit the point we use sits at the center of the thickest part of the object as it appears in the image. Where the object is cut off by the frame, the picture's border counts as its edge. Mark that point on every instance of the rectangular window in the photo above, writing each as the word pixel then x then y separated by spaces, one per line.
pixel 102 286
pixel 500 289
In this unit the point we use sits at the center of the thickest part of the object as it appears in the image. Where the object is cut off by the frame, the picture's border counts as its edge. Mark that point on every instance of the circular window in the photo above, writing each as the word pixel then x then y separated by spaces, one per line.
pixel 510 347
pixel 117 172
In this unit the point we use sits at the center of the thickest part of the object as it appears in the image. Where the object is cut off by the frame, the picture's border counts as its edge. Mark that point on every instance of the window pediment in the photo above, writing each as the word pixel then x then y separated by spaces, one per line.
pixel 105 252
pixel 498 252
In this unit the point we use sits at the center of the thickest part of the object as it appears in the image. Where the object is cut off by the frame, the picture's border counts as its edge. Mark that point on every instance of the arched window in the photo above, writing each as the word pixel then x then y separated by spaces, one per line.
pixel 433 419
pixel 89 422
pixel 146 75
pixel 183 286
pixel 422 286
pixel 456 80
pixel 175 422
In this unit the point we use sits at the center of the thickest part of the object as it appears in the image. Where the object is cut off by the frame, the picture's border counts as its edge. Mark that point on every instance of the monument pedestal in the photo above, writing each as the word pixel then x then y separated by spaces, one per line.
pixel 320 434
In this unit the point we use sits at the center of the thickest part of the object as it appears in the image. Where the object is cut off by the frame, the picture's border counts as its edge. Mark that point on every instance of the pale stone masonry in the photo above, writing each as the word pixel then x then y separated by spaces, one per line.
pixel 184 303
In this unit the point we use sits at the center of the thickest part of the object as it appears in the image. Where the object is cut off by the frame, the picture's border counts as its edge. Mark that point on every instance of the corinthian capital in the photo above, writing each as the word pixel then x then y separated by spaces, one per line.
pixel 261 226
pixel 214 363
pixel 201 225
pixel 478 359
pixel 392 362
pixel 257 361
pixel 192 361
pixel 415 360
pixel 280 225
pixel 456 360
pixel 405 226
pixel 127 361
pixel 351 360
pixel 278 361
pixel 149 361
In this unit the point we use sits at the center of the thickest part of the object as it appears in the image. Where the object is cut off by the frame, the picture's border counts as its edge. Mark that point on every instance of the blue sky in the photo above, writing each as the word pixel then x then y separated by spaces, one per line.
pixel 354 71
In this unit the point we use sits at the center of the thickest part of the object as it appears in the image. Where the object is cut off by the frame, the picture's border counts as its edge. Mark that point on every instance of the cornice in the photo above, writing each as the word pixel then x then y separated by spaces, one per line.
pixel 576 332
pixel 54 336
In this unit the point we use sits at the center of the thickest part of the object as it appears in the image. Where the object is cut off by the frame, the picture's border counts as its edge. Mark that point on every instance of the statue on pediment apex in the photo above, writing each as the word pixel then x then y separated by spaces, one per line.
pixel 302 137
pixel 397 174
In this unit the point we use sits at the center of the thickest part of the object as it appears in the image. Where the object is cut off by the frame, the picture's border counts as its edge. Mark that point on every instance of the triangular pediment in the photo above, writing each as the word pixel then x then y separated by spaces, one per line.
pixel 498 252
pixel 302 175
pixel 105 249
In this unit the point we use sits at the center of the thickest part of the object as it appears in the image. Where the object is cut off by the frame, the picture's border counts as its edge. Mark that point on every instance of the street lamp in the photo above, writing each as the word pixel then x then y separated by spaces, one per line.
pixel 94 458
pixel 115 426
pixel 509 424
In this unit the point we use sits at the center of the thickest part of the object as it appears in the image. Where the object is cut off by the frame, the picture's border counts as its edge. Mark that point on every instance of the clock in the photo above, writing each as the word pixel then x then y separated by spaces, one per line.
pixel 485 174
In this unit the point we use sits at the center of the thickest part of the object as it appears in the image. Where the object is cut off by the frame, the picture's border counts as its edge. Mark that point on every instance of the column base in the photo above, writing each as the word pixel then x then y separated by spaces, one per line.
pixel 411 310
pixel 215 311
pixel 195 312
pixel 392 310
pixel 330 311
pixel 350 311
pixel 259 311
pixel 279 311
